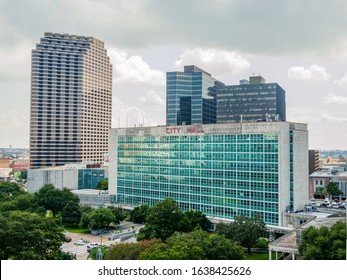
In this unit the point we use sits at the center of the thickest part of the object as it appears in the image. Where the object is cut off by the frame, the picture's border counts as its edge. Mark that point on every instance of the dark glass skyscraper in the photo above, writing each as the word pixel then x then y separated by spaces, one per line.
pixel 188 98
pixel 71 99
pixel 250 101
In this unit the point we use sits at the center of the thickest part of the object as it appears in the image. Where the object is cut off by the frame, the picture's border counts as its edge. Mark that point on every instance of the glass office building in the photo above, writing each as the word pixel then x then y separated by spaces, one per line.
pixel 188 98
pixel 222 170
pixel 251 101
pixel 71 99
pixel 89 178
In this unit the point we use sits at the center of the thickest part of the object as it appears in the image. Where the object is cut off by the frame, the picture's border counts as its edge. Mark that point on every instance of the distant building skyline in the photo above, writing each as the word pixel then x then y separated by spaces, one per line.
pixel 252 100
pixel 188 97
pixel 71 99
pixel 195 97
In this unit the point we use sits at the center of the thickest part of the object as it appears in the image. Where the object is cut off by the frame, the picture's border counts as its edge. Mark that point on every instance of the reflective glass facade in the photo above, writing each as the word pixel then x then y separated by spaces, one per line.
pixel 89 178
pixel 71 92
pixel 250 103
pixel 222 170
pixel 215 174
pixel 188 98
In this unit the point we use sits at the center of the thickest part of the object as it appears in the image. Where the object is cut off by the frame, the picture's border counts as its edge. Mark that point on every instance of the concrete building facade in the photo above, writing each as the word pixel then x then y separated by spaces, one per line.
pixel 313 160
pixel 71 176
pixel 223 170
pixel 71 99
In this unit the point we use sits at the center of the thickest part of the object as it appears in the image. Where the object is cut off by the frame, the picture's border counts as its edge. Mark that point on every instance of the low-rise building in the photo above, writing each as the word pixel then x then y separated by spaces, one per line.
pixel 71 176
pixel 322 177
pixel 5 174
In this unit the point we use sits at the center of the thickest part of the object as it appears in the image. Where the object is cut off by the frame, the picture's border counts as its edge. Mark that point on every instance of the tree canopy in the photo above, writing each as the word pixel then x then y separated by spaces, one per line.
pixel 102 185
pixel 98 218
pixel 139 213
pixel 324 243
pixel 131 251
pixel 29 236
pixel 9 190
pixel 165 218
pixel 71 214
pixel 54 199
pixel 333 189
pixel 196 245
pixel 245 231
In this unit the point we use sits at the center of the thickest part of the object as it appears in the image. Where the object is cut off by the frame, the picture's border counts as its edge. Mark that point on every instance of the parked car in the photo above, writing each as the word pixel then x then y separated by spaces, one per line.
pixel 67 238
pixel 92 246
pixel 79 242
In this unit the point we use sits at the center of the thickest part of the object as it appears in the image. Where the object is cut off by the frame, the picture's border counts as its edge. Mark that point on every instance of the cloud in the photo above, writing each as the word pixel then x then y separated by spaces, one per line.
pixel 133 70
pixel 152 98
pixel 16 59
pixel 12 120
pixel 244 25
pixel 342 82
pixel 332 118
pixel 313 73
pixel 336 99
pixel 215 61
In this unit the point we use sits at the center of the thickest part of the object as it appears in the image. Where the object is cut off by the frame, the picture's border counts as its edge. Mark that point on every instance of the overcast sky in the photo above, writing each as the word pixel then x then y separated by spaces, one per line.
pixel 299 44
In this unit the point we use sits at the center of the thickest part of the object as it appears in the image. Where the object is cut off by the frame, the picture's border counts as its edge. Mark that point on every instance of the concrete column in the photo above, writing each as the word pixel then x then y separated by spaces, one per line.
pixel 276 255
pixel 293 256
pixel 270 253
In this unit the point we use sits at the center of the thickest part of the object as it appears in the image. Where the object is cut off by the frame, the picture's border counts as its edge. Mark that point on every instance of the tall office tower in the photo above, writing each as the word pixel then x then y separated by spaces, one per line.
pixel 313 161
pixel 222 170
pixel 71 99
pixel 188 98
pixel 250 101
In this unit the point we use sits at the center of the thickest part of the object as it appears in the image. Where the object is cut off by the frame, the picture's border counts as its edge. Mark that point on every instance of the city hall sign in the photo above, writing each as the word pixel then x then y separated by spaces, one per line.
pixel 194 129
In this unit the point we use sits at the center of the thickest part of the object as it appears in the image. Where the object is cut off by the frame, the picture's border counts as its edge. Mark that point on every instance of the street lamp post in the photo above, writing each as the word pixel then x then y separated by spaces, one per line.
pixel 101 236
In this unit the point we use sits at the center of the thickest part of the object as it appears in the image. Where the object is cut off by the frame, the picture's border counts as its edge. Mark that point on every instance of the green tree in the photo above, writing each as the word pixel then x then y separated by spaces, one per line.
pixel 23 175
pixel 54 199
pixel 102 185
pixel 196 219
pixel 163 220
pixel 24 202
pixel 139 213
pixel 320 193
pixel 131 251
pixel 196 245
pixel 324 243
pixel 29 236
pixel 99 218
pixel 9 190
pixel 333 189
pixel 119 214
pixel 86 209
pixel 71 214
pixel 175 252
pixel 245 231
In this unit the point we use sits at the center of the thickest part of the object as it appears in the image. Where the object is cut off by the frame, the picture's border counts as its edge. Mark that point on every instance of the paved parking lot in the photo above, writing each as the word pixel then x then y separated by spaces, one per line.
pixel 81 251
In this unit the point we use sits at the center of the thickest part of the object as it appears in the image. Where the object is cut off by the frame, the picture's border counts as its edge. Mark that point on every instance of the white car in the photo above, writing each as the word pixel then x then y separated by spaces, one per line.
pixel 79 242
pixel 91 246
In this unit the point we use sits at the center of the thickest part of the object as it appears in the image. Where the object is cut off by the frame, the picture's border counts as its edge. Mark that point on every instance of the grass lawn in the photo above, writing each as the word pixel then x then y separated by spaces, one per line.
pixel 77 230
pixel 259 256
